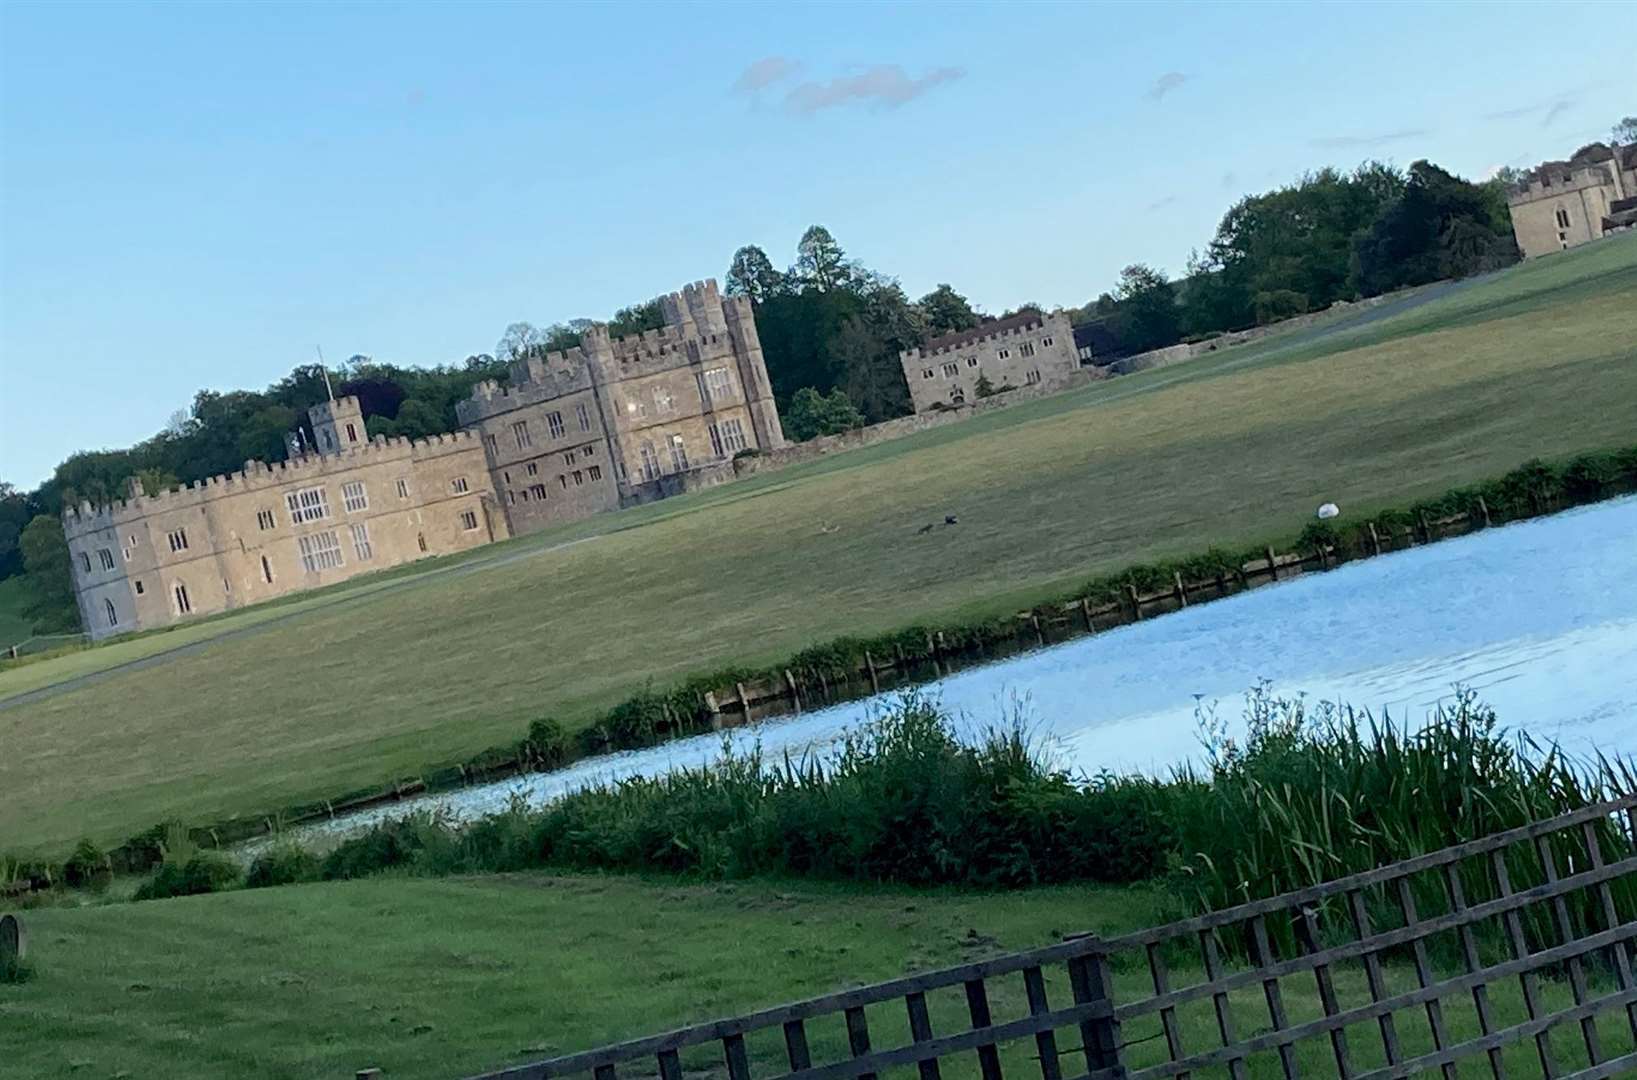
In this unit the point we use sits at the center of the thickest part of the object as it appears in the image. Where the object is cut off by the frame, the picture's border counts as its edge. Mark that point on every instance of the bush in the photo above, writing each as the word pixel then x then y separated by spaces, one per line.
pixel 203 872
pixel 285 863
pixel 747 452
pixel 548 741
pixel 87 867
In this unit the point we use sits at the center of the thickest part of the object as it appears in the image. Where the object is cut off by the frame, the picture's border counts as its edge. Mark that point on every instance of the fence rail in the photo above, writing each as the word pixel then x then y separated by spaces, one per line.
pixel 1544 904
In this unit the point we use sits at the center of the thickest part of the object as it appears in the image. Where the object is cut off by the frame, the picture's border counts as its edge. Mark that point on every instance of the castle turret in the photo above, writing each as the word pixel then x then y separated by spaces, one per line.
pixel 338 425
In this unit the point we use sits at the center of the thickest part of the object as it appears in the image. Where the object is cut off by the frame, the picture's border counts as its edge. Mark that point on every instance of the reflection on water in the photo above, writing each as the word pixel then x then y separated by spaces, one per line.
pixel 1539 617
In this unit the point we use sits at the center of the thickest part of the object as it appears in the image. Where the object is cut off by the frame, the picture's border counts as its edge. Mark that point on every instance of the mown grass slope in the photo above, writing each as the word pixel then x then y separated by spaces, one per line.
pixel 379 682
pixel 440 979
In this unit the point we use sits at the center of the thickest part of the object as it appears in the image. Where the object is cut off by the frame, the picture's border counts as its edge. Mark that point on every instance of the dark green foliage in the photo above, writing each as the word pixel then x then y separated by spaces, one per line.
pixel 811 414
pixel 1441 226
pixel 44 553
pixel 284 863
pixel 547 740
pixel 984 388
pixel 15 972
pixel 202 872
pixel 87 866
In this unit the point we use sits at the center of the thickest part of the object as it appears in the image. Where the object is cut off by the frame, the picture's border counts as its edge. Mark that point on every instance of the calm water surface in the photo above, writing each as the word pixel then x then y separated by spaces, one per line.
pixel 1539 617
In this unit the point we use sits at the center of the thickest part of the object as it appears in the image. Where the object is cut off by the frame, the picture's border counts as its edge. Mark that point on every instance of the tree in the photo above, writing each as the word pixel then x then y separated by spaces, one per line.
pixel 946 311
pixel 751 274
pixel 1148 317
pixel 1442 226
pixel 46 576
pixel 820 262
pixel 984 388
pixel 810 414
pixel 517 340
pixel 634 320
pixel 1624 133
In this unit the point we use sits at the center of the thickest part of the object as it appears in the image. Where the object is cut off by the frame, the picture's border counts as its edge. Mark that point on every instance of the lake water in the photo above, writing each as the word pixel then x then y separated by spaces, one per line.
pixel 1539 617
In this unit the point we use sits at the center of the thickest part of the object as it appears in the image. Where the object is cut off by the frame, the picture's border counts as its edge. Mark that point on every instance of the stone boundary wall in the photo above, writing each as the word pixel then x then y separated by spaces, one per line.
pixel 887 430
pixel 1175 354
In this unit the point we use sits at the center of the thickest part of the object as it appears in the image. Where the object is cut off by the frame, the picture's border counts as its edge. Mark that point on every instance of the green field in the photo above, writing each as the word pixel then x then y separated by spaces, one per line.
pixel 379 680
pixel 440 979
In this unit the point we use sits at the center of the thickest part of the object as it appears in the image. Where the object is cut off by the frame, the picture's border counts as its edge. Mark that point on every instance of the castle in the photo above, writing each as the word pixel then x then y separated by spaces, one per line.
pixel 1560 204
pixel 1028 349
pixel 614 422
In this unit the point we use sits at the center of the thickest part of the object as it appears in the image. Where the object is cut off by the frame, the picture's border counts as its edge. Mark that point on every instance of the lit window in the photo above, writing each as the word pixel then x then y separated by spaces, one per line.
pixel 265 520
pixel 520 432
pixel 662 399
pixel 113 616
pixel 554 421
pixel 458 485
pixel 403 489
pixel 183 604
pixel 584 415
pixel 106 557
pixel 353 496
pixel 319 551
pixel 178 540
pixel 360 542
pixel 679 454
pixel 468 520
pixel 717 384
pixel 635 407
pixel 308 504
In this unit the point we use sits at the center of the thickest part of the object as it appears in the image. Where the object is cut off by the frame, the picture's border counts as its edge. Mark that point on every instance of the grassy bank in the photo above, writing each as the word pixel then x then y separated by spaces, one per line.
pixel 1229 451
pixel 438 979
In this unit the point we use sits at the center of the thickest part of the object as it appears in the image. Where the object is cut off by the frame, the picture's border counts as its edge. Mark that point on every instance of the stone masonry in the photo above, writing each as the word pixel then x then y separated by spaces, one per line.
pixel 1029 349
pixel 273 530
pixel 618 421
pixel 1560 204
pixel 615 422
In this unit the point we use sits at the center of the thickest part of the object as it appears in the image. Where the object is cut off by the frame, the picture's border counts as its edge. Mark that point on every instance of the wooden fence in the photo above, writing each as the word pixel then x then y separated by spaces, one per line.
pixel 1471 928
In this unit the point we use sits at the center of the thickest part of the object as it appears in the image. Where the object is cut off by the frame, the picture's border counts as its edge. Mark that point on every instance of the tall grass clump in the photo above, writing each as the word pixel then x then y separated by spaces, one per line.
pixel 1304 796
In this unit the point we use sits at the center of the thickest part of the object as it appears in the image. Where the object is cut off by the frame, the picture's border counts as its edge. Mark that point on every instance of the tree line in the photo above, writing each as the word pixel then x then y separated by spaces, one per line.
pixel 831 331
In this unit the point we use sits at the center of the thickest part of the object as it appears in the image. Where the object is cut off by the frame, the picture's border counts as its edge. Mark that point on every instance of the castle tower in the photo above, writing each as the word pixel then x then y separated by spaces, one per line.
pixel 338 425
pixel 740 324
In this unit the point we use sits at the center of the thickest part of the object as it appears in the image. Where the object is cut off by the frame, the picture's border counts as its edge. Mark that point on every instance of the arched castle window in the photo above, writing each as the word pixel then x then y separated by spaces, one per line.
pixel 183 604
pixel 113 615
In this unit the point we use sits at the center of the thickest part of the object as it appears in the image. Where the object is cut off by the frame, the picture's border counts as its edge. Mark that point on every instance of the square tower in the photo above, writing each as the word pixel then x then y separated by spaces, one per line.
pixel 338 425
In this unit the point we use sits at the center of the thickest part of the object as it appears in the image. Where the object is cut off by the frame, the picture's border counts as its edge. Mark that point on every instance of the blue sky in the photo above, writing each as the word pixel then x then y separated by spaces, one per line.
pixel 194 196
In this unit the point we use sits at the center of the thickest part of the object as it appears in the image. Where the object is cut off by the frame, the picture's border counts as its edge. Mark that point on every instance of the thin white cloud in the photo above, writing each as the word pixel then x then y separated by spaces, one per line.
pixel 1365 142
pixel 1161 204
pixel 764 73
pixel 1165 84
pixel 883 86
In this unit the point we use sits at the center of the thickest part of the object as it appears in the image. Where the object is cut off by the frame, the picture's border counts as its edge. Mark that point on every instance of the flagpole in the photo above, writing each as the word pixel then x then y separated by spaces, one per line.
pixel 326 372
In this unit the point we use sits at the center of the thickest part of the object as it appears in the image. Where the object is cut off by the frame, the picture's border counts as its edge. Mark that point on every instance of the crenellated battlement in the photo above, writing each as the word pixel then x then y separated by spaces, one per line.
pixel 1017 326
pixel 560 375
pixel 260 476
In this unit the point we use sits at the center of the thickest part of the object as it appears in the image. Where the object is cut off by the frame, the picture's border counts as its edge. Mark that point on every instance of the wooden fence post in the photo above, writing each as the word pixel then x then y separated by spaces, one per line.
pixel 1483 508
pixel 869 665
pixel 1089 981
pixel 1136 604
pixel 1181 589
pixel 1273 565
pixel 1085 612
pixel 1375 539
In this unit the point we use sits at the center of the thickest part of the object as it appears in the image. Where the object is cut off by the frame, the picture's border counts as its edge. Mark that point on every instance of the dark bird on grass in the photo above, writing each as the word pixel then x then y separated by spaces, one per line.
pixel 951 519
pixel 924 529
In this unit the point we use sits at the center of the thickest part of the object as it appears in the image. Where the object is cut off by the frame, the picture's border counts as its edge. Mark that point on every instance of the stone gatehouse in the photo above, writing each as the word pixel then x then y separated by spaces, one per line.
pixel 1561 204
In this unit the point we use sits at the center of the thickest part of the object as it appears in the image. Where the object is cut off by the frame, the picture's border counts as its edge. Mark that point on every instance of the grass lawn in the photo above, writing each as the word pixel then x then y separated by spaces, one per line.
pixel 442 978
pixel 428 666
